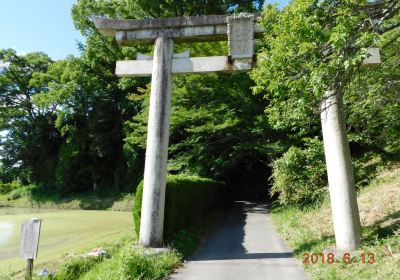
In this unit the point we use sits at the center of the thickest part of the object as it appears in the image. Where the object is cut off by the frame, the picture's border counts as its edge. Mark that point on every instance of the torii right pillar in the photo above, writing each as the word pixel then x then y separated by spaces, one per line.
pixel 342 191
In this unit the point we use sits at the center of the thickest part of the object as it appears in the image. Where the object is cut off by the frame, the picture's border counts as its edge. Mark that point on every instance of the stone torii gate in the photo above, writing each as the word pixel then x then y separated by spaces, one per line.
pixel 240 31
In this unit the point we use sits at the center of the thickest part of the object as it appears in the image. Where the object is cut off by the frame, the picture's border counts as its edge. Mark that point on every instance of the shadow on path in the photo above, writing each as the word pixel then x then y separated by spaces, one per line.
pixel 244 246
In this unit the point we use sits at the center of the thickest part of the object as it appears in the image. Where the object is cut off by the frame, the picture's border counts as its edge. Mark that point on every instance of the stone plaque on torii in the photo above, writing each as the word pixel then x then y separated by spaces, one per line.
pixel 240 30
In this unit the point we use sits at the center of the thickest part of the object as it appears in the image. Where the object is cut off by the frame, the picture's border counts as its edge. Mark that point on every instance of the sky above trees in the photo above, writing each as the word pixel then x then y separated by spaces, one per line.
pixel 43 25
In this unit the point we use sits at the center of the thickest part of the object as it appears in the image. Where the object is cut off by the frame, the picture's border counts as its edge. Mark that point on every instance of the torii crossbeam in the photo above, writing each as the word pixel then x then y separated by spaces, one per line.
pixel 240 31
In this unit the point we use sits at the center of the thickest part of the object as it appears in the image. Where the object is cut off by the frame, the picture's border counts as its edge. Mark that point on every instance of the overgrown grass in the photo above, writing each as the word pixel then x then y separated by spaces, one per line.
pixel 194 195
pixel 63 232
pixel 310 231
pixel 127 261
pixel 132 262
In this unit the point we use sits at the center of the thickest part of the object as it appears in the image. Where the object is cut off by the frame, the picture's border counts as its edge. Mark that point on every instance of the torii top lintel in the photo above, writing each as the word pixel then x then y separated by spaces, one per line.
pixel 131 32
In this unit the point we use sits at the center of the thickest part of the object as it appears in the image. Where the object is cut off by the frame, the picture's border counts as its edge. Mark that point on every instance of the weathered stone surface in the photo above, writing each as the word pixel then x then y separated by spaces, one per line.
pixel 108 27
pixel 155 170
pixel 374 57
pixel 140 56
pixel 342 191
pixel 181 35
pixel 143 68
pixel 185 54
pixel 241 36
pixel 130 32
pixel 150 252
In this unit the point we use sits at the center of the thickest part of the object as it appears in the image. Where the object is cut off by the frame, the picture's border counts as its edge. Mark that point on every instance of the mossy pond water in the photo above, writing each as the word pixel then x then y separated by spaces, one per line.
pixel 62 232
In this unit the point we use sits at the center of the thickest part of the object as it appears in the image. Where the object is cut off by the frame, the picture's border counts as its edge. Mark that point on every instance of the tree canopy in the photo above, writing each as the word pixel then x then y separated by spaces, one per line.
pixel 73 126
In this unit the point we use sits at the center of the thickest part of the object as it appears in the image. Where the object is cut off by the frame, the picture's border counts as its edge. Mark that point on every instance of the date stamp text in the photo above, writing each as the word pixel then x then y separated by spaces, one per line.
pixel 346 258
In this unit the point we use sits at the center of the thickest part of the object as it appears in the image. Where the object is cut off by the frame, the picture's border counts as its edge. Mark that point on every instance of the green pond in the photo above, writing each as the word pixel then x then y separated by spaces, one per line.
pixel 62 232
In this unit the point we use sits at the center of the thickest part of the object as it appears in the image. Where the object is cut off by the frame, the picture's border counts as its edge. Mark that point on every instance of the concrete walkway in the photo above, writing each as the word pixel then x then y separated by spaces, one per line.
pixel 244 247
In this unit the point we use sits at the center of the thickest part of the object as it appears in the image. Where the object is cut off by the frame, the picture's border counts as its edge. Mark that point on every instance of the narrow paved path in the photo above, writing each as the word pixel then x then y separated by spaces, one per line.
pixel 245 247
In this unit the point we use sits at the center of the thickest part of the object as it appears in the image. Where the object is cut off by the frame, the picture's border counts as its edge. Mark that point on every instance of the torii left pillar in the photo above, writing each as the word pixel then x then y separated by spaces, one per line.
pixel 152 220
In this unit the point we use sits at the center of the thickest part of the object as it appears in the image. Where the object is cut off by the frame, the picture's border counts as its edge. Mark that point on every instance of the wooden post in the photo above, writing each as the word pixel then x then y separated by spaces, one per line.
pixel 29 269
pixel 155 170
pixel 30 234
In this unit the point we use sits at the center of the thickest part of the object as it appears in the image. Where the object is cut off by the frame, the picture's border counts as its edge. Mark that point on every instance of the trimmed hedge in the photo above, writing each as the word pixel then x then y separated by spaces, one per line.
pixel 188 200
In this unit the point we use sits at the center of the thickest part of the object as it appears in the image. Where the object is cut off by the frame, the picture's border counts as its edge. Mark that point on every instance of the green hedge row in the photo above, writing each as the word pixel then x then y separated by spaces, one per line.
pixel 188 200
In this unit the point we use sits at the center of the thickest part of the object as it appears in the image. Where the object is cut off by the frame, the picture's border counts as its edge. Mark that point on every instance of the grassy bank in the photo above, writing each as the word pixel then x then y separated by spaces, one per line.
pixel 33 197
pixel 62 232
pixel 311 231
pixel 127 260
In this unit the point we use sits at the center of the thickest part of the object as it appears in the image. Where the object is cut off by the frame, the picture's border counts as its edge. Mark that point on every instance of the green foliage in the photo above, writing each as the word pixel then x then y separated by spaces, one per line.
pixel 188 201
pixel 6 275
pixel 195 197
pixel 308 44
pixel 74 267
pixel 6 188
pixel 67 132
pixel 311 230
pixel 309 47
pixel 372 101
pixel 137 207
pixel 313 46
pixel 64 122
pixel 29 149
pixel 73 126
pixel 127 261
pixel 71 176
pixel 185 242
pixel 21 191
pixel 156 8
pixel 367 166
pixel 299 176
pixel 90 122
pixel 214 127
pixel 131 263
